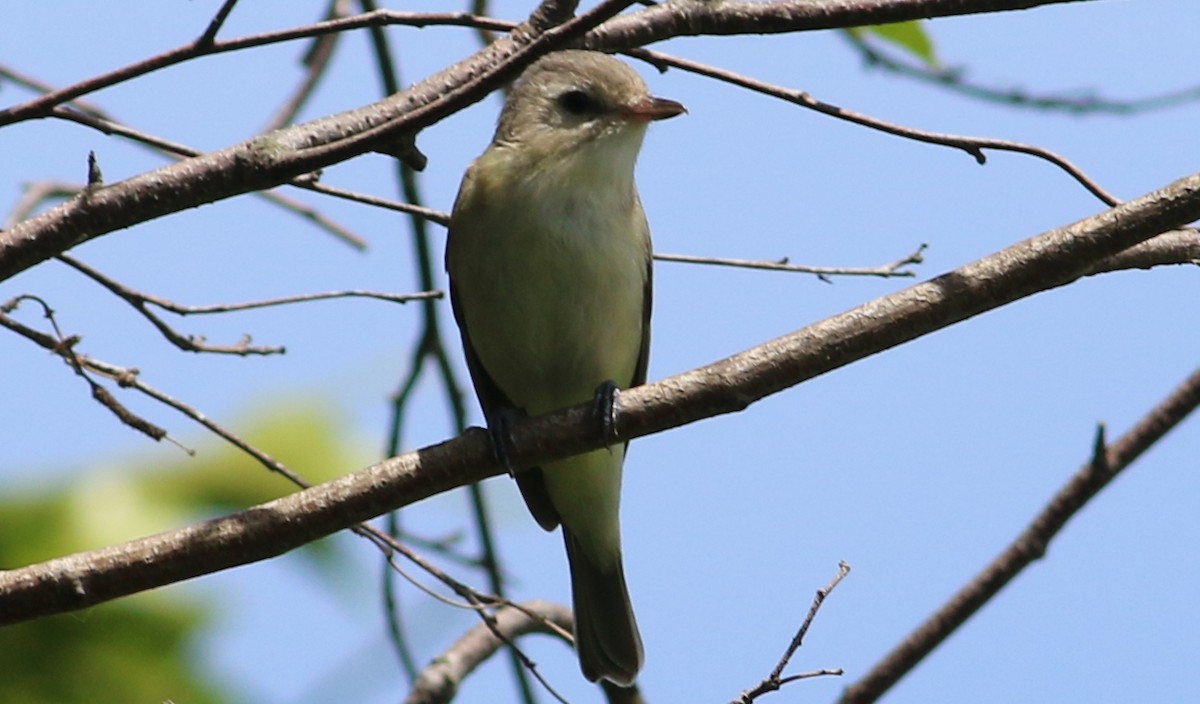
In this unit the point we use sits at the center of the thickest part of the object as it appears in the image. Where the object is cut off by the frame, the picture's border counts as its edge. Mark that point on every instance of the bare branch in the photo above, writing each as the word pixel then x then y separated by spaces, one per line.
pixel 1175 247
pixel 35 194
pixel 689 18
pixel 164 146
pixel 218 20
pixel 39 107
pixel 439 682
pixel 430 350
pixel 1041 263
pixel 1075 102
pixel 139 301
pixel 1106 464
pixel 190 343
pixel 437 216
pixel 480 8
pixel 251 305
pixel 892 270
pixel 64 347
pixel 971 145
pixel 273 159
pixel 775 680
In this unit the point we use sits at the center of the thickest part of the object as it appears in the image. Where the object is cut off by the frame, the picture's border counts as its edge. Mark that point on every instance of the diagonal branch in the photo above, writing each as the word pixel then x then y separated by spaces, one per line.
pixel 278 157
pixel 973 146
pixel 689 18
pixel 1105 465
pixel 272 159
pixel 1041 263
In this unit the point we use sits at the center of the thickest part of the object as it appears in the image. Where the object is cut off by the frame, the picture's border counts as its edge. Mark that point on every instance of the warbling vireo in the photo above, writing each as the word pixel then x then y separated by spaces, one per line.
pixel 549 260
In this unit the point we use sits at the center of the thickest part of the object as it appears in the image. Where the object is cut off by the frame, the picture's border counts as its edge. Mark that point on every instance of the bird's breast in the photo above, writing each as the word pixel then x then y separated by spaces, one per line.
pixel 553 293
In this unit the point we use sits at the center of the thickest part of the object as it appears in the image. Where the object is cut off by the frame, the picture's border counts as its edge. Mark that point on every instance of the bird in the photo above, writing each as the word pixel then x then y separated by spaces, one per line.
pixel 549 262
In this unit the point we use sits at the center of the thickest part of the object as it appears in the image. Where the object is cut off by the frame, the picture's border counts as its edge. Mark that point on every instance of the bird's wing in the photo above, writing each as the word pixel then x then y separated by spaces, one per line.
pixel 493 400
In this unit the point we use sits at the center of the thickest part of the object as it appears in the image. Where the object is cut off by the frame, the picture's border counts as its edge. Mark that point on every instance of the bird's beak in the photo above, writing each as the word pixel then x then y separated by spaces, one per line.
pixel 648 109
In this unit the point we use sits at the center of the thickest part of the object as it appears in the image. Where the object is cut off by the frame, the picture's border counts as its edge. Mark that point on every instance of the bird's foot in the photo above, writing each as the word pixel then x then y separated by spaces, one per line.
pixel 500 427
pixel 605 407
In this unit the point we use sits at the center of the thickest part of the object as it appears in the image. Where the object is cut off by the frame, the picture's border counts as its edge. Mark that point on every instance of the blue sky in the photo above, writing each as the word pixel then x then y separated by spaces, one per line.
pixel 915 466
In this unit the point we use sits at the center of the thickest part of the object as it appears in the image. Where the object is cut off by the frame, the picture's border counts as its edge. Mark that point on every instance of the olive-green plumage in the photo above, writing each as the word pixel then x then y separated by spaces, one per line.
pixel 549 261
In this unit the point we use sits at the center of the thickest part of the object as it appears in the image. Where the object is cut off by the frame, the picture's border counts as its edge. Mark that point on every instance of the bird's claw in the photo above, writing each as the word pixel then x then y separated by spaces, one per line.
pixel 605 407
pixel 500 431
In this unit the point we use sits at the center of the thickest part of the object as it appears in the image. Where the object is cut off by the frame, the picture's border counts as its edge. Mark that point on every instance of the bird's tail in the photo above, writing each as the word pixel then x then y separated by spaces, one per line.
pixel 606 632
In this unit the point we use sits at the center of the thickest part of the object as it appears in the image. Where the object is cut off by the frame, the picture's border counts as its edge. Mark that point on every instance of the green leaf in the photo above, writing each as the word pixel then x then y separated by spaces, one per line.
pixel 910 36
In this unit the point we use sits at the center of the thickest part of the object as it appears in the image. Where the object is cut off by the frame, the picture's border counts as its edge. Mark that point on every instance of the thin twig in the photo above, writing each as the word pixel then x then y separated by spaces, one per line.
pixel 1174 247
pixel 435 216
pixel 33 195
pixel 190 343
pixel 1076 103
pixel 972 145
pixel 486 35
pixel 218 21
pixel 40 106
pixel 38 86
pixel 64 347
pixel 776 680
pixel 893 270
pixel 140 301
pixel 126 377
pixel 439 682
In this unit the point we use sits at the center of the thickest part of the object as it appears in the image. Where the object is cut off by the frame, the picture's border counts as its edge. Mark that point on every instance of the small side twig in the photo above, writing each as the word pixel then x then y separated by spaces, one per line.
pixel 64 347
pixel 189 343
pixel 436 216
pixel 776 680
pixel 893 270
pixel 206 39
pixel 140 301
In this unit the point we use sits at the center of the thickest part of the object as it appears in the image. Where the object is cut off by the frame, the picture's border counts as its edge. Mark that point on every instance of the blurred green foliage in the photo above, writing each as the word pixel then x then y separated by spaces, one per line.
pixel 139 649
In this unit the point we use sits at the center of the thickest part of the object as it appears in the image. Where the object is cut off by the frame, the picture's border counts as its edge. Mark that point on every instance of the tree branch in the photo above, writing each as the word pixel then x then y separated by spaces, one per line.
pixel 275 158
pixel 440 680
pixel 272 159
pixel 438 683
pixel 689 18
pixel 1041 263
pixel 776 680
pixel 1106 464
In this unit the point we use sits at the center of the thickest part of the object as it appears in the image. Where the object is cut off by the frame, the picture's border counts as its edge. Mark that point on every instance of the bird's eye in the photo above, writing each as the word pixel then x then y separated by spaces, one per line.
pixel 576 102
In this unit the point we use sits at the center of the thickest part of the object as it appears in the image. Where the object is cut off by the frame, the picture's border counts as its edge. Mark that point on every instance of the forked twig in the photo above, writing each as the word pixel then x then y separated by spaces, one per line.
pixel 774 681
